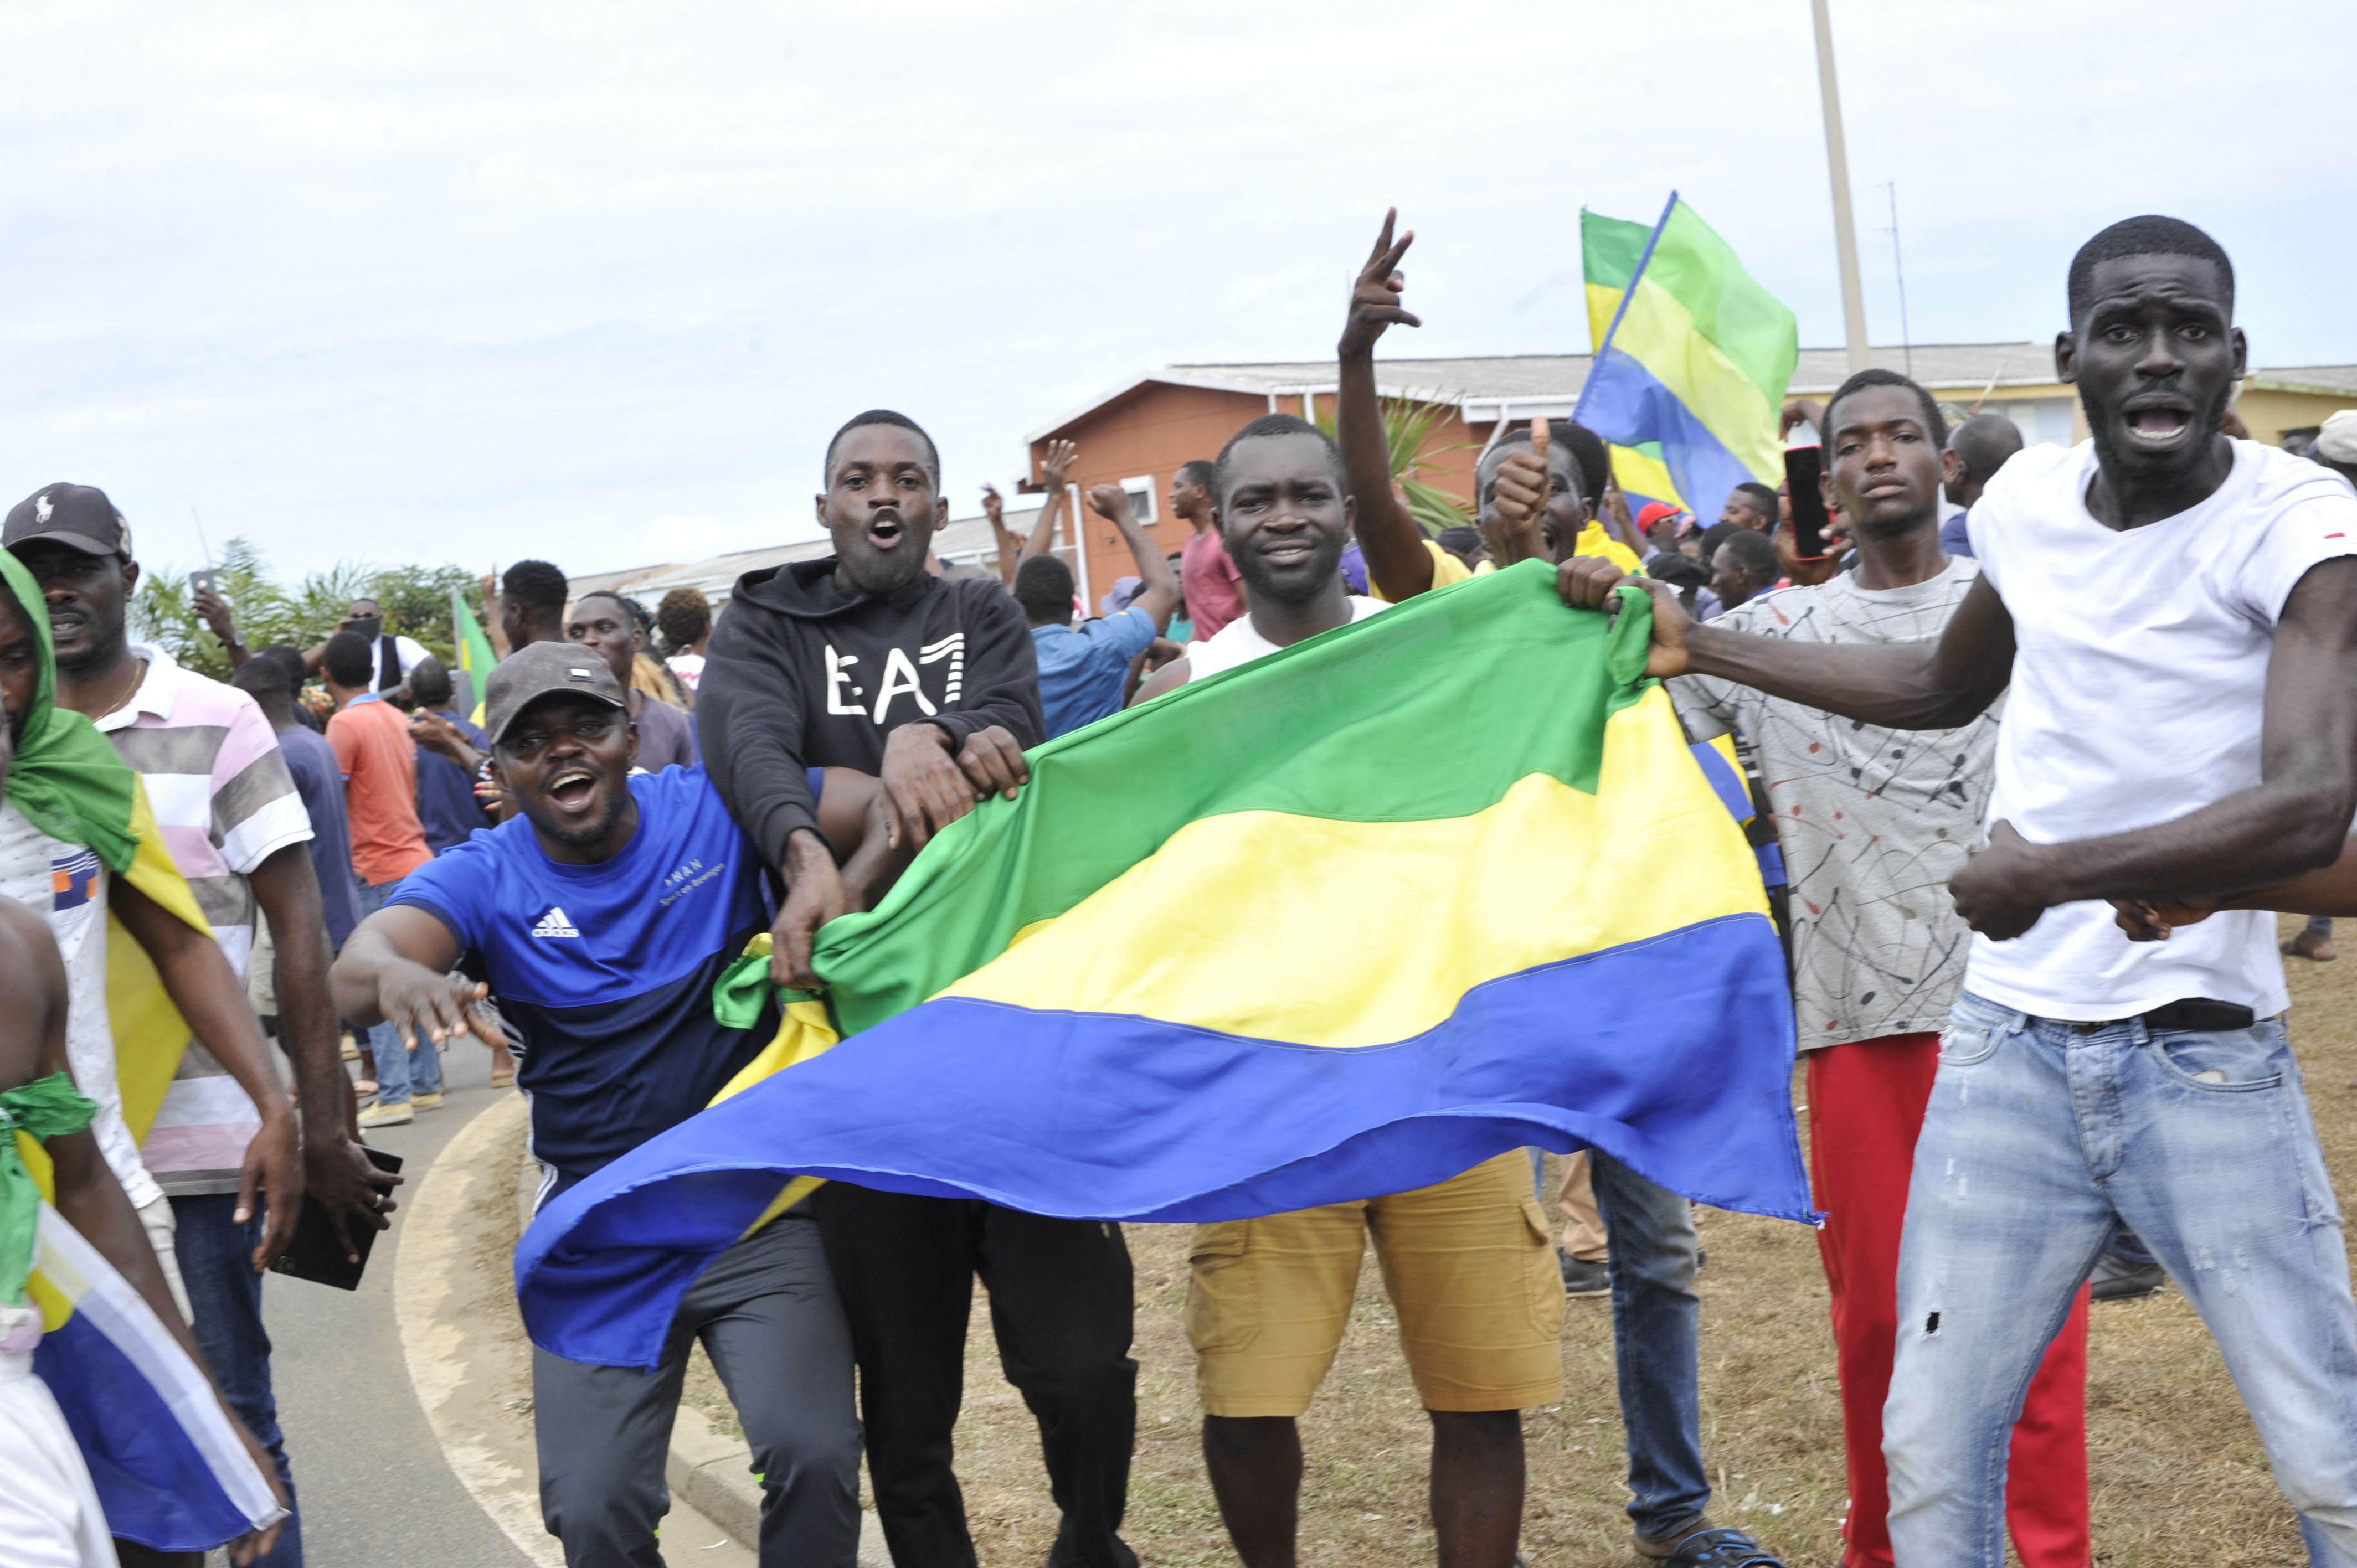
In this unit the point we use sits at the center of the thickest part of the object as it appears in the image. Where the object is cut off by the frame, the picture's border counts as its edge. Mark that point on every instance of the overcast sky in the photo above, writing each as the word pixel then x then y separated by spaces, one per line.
pixel 594 281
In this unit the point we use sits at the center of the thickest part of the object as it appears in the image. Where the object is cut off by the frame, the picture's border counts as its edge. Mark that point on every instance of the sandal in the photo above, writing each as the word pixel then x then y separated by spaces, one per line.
pixel 1721 1548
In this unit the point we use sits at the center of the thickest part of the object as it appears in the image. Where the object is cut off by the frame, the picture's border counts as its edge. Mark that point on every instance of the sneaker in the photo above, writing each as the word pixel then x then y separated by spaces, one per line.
pixel 2117 1281
pixel 397 1114
pixel 1580 1277
pixel 428 1101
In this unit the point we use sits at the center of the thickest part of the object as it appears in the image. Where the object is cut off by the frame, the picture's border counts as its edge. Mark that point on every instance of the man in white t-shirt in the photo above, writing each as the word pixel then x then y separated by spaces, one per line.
pixel 2176 613
pixel 1873 822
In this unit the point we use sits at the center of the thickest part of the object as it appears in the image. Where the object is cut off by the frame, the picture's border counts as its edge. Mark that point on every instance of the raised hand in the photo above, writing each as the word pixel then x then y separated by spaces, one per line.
pixel 1110 502
pixel 1054 463
pixel 1375 294
pixel 993 505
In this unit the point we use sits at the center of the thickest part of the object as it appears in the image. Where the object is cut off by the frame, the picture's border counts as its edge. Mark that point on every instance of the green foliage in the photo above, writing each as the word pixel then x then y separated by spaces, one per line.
pixel 415 601
pixel 1408 424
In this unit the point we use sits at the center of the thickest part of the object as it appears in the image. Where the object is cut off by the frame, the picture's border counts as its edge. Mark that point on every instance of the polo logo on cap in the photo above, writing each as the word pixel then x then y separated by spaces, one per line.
pixel 42 508
pixel 578 673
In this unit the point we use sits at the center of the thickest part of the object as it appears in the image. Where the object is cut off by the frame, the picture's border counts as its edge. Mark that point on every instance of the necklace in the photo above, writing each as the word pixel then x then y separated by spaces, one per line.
pixel 138 678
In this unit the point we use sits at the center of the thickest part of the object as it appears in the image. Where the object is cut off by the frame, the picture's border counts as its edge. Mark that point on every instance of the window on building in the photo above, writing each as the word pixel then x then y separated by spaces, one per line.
pixel 1140 491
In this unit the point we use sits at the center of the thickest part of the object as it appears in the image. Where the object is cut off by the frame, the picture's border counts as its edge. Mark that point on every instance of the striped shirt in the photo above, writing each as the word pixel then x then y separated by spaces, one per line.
pixel 226 803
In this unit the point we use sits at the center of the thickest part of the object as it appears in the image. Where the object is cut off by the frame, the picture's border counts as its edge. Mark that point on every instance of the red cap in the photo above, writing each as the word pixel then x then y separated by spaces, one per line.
pixel 1655 511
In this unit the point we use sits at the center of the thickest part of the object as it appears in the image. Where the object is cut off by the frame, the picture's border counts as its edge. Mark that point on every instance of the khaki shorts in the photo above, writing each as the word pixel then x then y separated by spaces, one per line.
pixel 1468 1264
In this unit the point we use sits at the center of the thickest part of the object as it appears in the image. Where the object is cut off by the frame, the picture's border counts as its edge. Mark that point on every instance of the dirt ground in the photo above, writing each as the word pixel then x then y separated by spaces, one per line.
pixel 2178 1477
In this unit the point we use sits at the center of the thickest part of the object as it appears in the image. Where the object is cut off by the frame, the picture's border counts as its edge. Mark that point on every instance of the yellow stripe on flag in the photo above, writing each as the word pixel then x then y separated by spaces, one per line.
pixel 1655 831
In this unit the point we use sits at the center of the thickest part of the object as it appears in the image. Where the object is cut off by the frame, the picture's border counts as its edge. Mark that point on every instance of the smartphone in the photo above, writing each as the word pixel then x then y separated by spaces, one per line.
pixel 314 1255
pixel 1804 468
pixel 203 582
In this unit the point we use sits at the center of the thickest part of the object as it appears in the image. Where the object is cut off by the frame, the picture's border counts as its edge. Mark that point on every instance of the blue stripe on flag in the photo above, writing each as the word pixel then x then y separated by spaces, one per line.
pixel 1116 1117
pixel 1626 403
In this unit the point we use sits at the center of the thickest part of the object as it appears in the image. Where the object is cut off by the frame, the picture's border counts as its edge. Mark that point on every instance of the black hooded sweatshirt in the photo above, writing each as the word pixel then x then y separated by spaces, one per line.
pixel 800 674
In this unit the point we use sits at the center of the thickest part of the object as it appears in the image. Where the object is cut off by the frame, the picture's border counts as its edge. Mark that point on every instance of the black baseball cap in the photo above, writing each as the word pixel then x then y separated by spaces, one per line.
pixel 537 669
pixel 76 515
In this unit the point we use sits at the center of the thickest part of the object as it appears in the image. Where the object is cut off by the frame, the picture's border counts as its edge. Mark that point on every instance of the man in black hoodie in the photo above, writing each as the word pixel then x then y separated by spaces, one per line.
pixel 863 660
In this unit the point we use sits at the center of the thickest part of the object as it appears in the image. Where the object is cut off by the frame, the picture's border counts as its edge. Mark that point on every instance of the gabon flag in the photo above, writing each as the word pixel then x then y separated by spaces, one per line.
pixel 1344 921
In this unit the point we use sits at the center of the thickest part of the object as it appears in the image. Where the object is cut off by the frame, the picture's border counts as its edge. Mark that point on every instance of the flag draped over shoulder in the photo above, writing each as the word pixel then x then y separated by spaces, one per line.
pixel 1693 359
pixel 1344 921
pixel 169 1470
pixel 475 658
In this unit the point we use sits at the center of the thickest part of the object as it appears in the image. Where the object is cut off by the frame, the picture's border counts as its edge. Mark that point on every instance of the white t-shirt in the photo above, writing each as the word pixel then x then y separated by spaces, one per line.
pixel 1237 643
pixel 68 882
pixel 2138 693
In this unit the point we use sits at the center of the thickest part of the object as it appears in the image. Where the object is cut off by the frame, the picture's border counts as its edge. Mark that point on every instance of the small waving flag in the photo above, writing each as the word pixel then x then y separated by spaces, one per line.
pixel 1693 359
pixel 1344 921
pixel 475 658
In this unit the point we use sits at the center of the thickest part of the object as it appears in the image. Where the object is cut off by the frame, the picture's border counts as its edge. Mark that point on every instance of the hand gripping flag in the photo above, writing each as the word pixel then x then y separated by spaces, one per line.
pixel 1344 921
pixel 1692 361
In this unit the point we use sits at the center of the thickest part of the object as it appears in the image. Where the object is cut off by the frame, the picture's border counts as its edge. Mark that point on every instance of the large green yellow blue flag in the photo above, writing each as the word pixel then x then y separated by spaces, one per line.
pixel 1693 359
pixel 1344 921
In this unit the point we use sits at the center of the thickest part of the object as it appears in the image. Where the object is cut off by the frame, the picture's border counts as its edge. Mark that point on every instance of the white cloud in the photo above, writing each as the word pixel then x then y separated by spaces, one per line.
pixel 594 282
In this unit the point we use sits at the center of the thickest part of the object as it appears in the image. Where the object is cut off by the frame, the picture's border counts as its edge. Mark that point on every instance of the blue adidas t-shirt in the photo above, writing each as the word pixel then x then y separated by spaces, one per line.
pixel 605 972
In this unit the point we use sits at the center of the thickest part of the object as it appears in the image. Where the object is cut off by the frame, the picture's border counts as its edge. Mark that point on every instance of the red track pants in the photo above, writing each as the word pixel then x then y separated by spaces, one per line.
pixel 1866 1107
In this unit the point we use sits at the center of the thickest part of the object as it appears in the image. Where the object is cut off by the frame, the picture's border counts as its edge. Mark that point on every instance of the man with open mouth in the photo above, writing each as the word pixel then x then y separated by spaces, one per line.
pixel 2176 614
pixel 865 660
pixel 601 917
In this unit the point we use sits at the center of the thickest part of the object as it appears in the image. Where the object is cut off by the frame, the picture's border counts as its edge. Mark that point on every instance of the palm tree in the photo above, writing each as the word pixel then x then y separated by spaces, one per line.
pixel 1408 424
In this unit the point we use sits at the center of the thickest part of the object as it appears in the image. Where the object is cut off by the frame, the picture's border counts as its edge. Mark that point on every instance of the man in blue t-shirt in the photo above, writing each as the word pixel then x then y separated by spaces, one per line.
pixel 1084 670
pixel 600 915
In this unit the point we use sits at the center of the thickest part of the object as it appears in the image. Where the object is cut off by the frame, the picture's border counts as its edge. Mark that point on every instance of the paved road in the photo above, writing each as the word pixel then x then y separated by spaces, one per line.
pixel 375 1491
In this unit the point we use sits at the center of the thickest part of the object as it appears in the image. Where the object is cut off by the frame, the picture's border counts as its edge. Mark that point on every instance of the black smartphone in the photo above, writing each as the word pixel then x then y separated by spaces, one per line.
pixel 1804 467
pixel 203 582
pixel 315 1254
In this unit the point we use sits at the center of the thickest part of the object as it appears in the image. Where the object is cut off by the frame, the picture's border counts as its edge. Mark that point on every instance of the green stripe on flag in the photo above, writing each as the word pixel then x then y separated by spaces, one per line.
pixel 1351 715
pixel 1750 326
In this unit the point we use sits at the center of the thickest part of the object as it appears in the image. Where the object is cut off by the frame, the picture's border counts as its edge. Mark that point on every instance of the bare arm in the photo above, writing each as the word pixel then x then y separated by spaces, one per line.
pixel 396 969
pixel 352 1191
pixel 1912 685
pixel 1052 470
pixel 495 633
pixel 1398 566
pixel 205 991
pixel 2290 823
pixel 1169 678
pixel 1158 597
pixel 1010 549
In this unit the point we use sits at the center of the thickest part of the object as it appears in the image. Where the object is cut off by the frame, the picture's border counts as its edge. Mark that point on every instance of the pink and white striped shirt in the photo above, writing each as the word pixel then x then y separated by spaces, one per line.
pixel 226 803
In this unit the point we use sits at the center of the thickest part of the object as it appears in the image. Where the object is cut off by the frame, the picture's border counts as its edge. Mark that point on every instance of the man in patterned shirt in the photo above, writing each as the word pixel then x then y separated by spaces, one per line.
pixel 1873 822
pixel 236 828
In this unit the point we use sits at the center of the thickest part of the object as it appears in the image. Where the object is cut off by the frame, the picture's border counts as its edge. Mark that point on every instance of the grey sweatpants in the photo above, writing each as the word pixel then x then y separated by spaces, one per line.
pixel 768 1315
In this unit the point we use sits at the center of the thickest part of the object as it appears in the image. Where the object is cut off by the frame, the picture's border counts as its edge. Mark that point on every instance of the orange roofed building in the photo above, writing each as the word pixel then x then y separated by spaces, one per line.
pixel 1138 435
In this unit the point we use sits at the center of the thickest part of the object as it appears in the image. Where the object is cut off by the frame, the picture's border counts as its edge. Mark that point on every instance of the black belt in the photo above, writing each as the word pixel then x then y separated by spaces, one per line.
pixel 2194 1013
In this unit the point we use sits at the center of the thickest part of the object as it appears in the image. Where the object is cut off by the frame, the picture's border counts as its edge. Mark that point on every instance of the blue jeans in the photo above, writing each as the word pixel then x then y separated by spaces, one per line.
pixel 225 1295
pixel 2040 1142
pixel 400 1072
pixel 1656 1343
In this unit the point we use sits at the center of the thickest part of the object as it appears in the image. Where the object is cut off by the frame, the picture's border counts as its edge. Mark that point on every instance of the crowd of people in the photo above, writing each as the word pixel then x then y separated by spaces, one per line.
pixel 2036 746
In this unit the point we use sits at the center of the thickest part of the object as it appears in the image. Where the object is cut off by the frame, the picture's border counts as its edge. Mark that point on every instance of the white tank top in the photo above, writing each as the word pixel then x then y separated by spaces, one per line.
pixel 1239 642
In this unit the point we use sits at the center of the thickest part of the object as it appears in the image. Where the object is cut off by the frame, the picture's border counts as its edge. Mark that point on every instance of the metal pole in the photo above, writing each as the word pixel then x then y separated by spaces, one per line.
pixel 1837 166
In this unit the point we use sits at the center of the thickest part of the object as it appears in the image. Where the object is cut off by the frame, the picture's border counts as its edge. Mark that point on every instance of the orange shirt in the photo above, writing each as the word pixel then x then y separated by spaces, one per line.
pixel 380 766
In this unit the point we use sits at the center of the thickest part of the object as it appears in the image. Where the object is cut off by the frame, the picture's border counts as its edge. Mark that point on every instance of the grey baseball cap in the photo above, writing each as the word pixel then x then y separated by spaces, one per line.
pixel 537 669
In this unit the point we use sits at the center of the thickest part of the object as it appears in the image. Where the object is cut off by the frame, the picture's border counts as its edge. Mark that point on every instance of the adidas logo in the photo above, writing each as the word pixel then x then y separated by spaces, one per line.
pixel 555 924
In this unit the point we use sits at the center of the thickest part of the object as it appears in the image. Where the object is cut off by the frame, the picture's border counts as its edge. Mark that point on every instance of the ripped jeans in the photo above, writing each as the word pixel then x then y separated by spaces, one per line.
pixel 2040 1142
